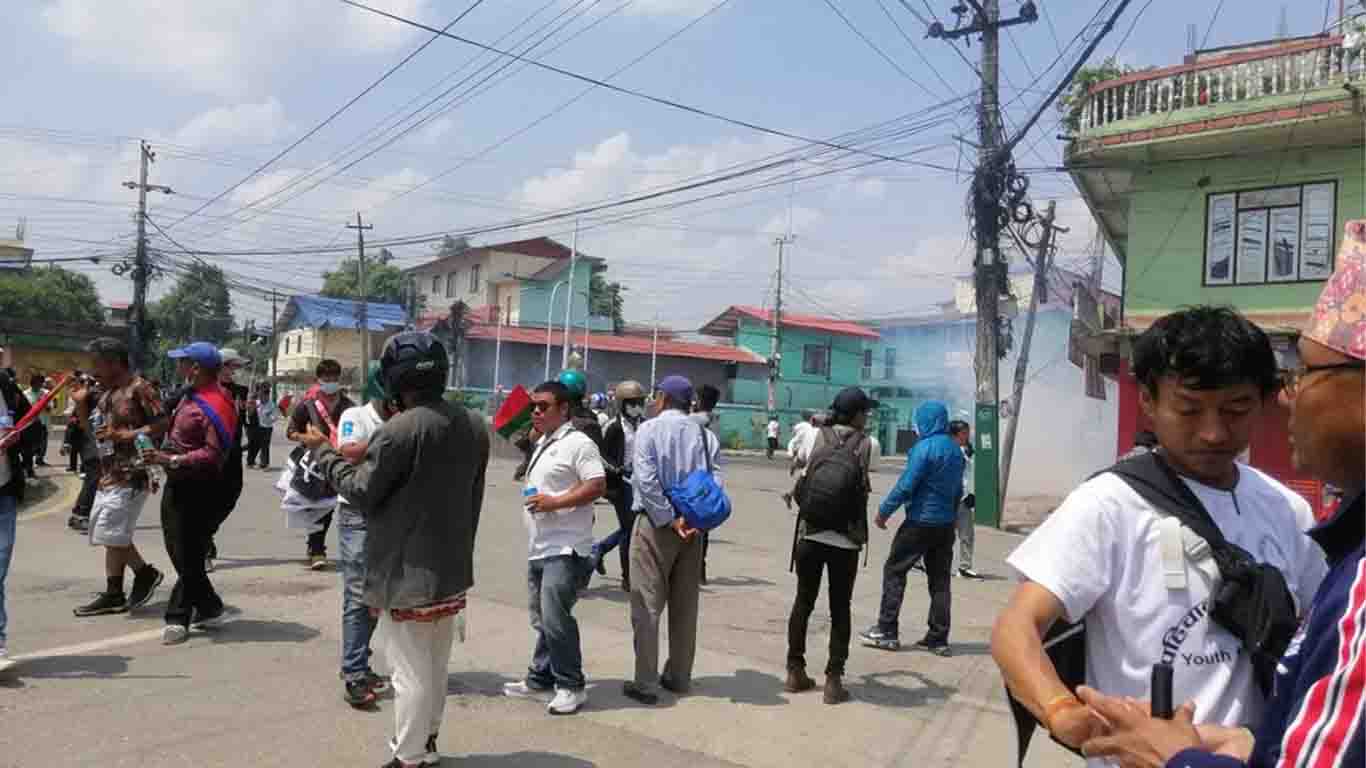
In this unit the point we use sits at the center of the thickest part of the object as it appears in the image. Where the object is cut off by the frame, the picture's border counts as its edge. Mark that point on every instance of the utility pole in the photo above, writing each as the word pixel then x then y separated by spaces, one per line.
pixel 142 270
pixel 274 344
pixel 1041 266
pixel 364 322
pixel 569 301
pixel 775 355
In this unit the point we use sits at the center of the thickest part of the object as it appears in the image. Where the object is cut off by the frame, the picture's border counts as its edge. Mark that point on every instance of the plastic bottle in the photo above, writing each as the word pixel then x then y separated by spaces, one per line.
pixel 142 443
pixel 106 447
pixel 527 493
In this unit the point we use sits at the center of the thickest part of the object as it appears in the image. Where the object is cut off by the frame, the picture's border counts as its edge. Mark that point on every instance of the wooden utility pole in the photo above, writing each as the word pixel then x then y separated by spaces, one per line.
pixel 142 269
pixel 363 322
pixel 1041 265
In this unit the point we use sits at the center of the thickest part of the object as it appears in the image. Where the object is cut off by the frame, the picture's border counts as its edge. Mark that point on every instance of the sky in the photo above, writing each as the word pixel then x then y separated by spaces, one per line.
pixel 220 87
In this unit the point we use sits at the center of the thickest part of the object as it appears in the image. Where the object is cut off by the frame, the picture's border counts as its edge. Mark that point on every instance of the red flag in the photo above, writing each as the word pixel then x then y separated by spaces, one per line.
pixel 514 414
pixel 33 413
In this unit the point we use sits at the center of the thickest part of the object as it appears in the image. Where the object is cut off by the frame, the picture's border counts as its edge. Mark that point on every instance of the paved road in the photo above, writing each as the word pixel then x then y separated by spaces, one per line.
pixel 262 690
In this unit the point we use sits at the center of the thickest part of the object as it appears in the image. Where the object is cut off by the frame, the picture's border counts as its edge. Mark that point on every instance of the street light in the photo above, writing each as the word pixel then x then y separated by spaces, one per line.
pixel 550 325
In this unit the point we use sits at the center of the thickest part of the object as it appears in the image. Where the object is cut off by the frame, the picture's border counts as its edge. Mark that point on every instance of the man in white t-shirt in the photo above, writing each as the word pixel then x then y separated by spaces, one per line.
pixel 564 477
pixel 774 429
pixel 1205 375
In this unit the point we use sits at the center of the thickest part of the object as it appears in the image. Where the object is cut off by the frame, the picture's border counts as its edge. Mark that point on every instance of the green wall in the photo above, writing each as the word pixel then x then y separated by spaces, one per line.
pixel 1167 226
pixel 798 390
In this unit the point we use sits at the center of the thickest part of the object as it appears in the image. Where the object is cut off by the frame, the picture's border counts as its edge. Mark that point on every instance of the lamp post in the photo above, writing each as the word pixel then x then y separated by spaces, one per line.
pixel 550 326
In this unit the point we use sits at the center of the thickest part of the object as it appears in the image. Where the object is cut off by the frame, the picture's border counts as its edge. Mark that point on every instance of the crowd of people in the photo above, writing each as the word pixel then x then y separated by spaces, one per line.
pixel 1173 611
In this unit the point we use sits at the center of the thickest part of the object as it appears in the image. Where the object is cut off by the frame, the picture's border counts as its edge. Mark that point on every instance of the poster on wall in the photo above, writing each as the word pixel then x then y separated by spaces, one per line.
pixel 1319 221
pixel 1252 241
pixel 1219 240
pixel 1283 264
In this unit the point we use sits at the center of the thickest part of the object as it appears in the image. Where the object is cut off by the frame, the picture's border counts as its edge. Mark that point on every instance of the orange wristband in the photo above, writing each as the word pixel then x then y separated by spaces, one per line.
pixel 1058 705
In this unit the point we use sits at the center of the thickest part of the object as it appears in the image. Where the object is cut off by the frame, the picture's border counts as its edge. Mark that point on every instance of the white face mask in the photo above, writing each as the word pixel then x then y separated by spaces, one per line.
pixel 635 411
pixel 330 387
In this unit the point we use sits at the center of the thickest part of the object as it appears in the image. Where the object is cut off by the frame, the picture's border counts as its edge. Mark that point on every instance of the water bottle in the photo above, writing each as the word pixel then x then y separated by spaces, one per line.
pixel 6 423
pixel 142 443
pixel 527 493
pixel 106 447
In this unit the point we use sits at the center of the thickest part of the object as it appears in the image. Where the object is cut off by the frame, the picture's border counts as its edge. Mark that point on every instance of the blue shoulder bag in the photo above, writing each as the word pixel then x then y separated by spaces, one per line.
pixel 701 501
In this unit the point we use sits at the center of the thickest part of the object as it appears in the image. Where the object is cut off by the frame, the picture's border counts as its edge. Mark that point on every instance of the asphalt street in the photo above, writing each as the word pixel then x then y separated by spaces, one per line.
pixel 263 688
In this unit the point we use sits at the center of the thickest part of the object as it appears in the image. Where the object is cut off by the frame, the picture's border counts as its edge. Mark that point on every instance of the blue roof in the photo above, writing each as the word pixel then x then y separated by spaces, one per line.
pixel 324 311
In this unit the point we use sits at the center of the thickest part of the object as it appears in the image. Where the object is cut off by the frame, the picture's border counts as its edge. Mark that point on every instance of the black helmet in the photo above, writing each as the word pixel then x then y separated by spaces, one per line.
pixel 414 360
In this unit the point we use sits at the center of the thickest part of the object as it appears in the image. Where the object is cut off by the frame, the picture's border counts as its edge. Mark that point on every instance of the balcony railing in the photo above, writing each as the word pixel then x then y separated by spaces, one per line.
pixel 1182 92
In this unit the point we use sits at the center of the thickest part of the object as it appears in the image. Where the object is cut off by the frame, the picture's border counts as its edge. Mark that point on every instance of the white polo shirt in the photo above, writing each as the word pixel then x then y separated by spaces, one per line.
pixel 561 461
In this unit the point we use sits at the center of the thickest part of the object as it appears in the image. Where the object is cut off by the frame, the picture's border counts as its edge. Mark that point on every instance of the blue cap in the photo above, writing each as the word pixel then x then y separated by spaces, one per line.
pixel 678 388
pixel 201 352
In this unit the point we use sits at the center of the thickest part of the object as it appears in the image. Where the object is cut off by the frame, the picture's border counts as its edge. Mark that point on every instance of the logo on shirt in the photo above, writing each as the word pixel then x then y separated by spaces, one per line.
pixel 1176 636
pixel 348 428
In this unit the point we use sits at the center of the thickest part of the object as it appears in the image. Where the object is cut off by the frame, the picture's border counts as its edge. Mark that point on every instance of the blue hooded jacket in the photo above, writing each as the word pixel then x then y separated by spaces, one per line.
pixel 933 480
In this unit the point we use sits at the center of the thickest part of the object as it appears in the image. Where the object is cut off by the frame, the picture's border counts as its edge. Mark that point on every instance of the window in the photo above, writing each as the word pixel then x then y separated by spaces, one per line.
pixel 474 278
pixel 450 285
pixel 815 360
pixel 436 285
pixel 889 363
pixel 1272 235
pixel 867 364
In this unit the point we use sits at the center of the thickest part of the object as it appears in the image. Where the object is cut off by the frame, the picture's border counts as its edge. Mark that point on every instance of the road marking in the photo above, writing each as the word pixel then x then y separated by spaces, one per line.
pixel 52 506
pixel 79 649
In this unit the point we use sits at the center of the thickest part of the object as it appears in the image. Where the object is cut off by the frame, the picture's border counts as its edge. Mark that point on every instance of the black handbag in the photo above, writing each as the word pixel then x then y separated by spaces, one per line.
pixel 307 481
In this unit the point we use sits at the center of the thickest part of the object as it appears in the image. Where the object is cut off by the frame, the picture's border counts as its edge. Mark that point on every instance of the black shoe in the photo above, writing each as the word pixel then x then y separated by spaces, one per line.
pixel 600 566
pixel 377 684
pixel 359 694
pixel 636 693
pixel 209 618
pixel 968 573
pixel 919 565
pixel 78 523
pixel 671 686
pixel 938 649
pixel 104 603
pixel 145 583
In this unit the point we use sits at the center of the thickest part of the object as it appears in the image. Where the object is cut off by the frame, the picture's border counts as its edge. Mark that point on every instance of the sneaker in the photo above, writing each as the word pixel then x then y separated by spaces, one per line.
pixel 968 573
pixel 567 702
pixel 105 602
pixel 359 694
pixel 671 686
pixel 174 634
pixel 5 661
pixel 430 760
pixel 524 690
pixel 210 619
pixel 938 649
pixel 798 681
pixel 599 565
pixel 145 583
pixel 78 523
pixel 919 565
pixel 377 684
pixel 639 694
pixel 876 638
pixel 317 562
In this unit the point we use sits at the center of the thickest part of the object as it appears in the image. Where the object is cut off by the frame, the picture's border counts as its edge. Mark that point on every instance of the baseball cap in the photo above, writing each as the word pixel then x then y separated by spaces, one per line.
pixel 231 356
pixel 678 388
pixel 201 352
pixel 852 400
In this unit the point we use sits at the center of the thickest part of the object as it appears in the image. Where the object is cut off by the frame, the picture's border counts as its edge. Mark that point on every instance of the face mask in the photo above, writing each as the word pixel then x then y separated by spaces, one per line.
pixel 635 411
pixel 330 387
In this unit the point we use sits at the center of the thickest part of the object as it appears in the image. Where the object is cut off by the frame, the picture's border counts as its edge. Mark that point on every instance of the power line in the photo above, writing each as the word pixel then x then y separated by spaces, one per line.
pixel 868 41
pixel 915 48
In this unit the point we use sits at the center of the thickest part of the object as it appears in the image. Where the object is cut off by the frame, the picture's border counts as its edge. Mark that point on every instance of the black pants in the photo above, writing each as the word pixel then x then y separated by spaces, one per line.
pixel 842 564
pixel 37 453
pixel 75 441
pixel 626 519
pixel 86 500
pixel 772 446
pixel 187 509
pixel 258 444
pixel 935 545
pixel 230 490
pixel 317 541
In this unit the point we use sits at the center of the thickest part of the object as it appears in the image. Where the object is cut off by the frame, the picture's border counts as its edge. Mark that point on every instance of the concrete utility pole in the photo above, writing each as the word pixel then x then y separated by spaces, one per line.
pixel 569 302
pixel 274 345
pixel 364 322
pixel 775 355
pixel 1041 266
pixel 141 268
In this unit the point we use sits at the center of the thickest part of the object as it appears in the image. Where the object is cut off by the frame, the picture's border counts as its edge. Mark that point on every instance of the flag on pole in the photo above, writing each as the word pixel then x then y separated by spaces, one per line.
pixel 514 415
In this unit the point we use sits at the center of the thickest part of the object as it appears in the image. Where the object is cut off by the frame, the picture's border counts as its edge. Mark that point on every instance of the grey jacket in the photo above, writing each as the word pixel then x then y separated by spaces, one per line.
pixel 421 485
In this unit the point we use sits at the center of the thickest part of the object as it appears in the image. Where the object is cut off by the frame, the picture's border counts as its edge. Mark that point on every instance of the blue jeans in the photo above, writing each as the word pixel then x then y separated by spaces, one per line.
pixel 552 586
pixel 357 624
pixel 9 518
pixel 621 537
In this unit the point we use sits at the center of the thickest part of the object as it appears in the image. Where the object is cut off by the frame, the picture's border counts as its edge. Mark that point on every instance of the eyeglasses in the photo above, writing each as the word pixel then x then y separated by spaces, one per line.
pixel 1292 378
pixel 538 407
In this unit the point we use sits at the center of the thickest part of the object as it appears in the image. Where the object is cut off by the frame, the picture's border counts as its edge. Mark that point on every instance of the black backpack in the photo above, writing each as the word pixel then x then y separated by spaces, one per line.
pixel 831 493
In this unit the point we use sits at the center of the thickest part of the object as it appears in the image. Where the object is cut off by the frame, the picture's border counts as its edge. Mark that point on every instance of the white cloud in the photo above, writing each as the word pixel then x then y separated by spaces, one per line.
pixel 432 133
pixel 217 46
pixel 871 189
pixel 670 7
pixel 262 123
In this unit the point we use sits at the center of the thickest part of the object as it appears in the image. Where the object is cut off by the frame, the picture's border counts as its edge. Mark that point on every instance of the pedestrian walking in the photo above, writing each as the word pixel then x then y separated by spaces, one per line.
pixel 89 456
pixel 13 407
pixel 703 412
pixel 421 488
pixel 193 455
pixel 929 489
pixel 618 444
pixel 666 553
pixel 129 414
pixel 321 407
pixel 564 478
pixel 262 414
pixel 832 527
pixel 774 430
pixel 1314 716
pixel 37 455
pixel 357 427
pixel 961 433
pixel 1125 555
pixel 232 480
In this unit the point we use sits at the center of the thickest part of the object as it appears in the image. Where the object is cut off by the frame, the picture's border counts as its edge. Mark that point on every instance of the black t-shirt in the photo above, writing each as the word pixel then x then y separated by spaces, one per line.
pixel 300 417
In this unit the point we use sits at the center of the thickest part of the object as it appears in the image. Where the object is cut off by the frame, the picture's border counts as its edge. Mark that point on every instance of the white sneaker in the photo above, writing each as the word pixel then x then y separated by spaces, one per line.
pixel 521 690
pixel 208 565
pixel 5 661
pixel 174 634
pixel 567 702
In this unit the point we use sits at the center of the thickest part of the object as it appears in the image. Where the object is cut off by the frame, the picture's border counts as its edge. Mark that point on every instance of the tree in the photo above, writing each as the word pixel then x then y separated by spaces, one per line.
pixel 384 282
pixel 198 307
pixel 50 293
pixel 1073 99
pixel 452 246
pixel 606 300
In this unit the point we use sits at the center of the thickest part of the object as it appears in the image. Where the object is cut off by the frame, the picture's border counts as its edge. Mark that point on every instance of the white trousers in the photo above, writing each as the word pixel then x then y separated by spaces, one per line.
pixel 418 653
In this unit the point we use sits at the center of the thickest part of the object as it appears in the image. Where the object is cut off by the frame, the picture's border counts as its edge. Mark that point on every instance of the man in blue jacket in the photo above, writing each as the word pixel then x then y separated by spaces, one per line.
pixel 929 489
pixel 1315 716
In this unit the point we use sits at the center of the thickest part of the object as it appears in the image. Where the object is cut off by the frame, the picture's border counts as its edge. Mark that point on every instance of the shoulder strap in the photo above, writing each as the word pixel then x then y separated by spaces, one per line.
pixel 541 451
pixel 706 450
pixel 224 436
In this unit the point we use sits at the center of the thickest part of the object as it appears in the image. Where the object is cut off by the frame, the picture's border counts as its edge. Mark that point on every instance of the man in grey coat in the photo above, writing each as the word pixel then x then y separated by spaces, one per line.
pixel 421 484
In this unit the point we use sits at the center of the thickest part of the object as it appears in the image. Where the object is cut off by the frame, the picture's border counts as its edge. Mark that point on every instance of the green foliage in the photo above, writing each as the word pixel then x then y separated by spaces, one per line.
pixel 384 283
pixel 606 300
pixel 1072 100
pixel 50 293
pixel 198 308
pixel 451 246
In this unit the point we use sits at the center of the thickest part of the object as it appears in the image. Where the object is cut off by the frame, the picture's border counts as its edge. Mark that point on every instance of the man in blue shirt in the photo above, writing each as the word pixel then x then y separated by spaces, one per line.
pixel 929 488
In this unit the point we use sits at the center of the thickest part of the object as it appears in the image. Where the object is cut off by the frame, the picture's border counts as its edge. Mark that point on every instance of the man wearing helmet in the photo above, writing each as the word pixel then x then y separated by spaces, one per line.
pixel 618 441
pixel 421 487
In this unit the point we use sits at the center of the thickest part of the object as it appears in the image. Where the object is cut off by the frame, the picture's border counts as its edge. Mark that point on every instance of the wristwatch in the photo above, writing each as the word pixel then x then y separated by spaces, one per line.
pixel 175 462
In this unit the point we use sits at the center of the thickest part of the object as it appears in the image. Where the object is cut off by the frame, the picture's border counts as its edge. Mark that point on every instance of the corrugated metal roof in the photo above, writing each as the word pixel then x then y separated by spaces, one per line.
pixel 324 311
pixel 726 323
pixel 606 342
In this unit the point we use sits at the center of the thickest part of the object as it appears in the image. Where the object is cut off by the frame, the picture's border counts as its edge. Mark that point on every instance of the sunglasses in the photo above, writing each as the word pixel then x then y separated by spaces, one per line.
pixel 540 407
pixel 1292 379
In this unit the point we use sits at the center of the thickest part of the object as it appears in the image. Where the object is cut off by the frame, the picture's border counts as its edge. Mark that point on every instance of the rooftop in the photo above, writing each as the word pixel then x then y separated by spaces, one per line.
pixel 727 322
pixel 536 247
pixel 311 311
